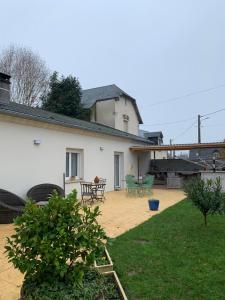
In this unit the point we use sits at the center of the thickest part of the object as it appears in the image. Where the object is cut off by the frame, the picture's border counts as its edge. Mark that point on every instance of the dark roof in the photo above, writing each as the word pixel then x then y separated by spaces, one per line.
pixel 174 165
pixel 202 153
pixel 91 96
pixel 148 134
pixel 26 112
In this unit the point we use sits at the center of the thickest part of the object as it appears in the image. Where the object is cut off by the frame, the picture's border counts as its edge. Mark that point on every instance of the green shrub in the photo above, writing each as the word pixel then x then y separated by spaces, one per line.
pixel 206 195
pixel 95 286
pixel 58 242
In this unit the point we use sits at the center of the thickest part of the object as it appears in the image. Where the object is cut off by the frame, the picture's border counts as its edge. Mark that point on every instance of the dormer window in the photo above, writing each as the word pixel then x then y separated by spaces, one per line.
pixel 126 118
pixel 125 122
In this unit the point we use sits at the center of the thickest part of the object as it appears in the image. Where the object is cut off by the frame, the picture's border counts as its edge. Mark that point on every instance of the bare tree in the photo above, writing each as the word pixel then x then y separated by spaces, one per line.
pixel 29 74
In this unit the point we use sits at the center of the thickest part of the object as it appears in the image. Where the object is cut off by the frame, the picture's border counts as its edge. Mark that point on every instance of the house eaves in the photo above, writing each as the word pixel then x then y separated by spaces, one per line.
pixel 26 112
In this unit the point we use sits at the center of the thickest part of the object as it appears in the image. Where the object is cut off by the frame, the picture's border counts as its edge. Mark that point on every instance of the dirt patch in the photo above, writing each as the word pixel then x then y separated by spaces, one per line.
pixel 135 272
pixel 132 273
pixel 142 241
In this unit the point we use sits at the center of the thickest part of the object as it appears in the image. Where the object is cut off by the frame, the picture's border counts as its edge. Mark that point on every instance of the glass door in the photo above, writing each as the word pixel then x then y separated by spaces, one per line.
pixel 117 181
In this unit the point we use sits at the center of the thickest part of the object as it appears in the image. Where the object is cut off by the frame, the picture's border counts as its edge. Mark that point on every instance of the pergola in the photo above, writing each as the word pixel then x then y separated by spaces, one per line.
pixel 178 147
pixel 140 149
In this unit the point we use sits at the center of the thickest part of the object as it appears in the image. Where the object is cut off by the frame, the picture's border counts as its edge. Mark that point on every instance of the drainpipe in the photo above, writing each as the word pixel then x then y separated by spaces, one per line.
pixel 138 166
pixel 64 183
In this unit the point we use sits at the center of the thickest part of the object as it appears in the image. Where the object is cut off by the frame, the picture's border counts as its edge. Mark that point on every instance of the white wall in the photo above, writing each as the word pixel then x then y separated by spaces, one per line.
pixel 23 164
pixel 144 163
pixel 211 175
pixel 125 107
pixel 104 112
pixel 110 112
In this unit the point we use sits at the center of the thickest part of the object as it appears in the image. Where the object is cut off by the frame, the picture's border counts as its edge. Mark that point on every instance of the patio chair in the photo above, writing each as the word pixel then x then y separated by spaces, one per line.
pixel 147 184
pixel 102 180
pixel 42 192
pixel 87 192
pixel 99 190
pixel 132 187
pixel 11 206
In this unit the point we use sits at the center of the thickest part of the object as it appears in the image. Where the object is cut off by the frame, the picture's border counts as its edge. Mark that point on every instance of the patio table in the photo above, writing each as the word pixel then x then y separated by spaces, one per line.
pixel 93 190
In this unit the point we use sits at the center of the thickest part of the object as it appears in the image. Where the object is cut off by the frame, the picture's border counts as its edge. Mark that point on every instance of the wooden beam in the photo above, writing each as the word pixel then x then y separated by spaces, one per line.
pixel 178 147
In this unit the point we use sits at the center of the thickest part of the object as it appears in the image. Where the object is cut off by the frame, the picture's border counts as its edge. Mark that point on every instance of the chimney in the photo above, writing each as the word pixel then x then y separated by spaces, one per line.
pixel 4 87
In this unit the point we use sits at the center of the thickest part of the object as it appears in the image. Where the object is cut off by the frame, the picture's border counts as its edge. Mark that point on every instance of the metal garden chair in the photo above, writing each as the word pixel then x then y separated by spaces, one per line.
pixel 132 187
pixel 147 184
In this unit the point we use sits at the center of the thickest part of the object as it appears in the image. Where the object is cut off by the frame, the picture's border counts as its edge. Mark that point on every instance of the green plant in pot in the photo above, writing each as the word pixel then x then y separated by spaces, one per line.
pixel 55 247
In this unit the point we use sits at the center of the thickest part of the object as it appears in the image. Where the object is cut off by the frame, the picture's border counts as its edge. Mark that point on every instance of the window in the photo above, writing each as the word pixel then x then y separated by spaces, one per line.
pixel 125 125
pixel 73 164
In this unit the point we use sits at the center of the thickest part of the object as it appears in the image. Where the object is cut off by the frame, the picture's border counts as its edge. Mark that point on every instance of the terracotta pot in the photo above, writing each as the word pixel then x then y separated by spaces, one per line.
pixel 96 180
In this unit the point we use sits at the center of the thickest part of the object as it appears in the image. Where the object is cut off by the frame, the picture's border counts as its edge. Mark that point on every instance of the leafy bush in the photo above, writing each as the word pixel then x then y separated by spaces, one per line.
pixel 206 195
pixel 58 242
pixel 95 286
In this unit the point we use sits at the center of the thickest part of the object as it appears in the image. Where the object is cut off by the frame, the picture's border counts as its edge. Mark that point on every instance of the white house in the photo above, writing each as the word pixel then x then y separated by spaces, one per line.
pixel 39 146
pixel 113 107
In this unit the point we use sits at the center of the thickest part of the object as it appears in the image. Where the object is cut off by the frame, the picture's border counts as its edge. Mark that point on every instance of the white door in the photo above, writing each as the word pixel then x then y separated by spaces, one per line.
pixel 118 170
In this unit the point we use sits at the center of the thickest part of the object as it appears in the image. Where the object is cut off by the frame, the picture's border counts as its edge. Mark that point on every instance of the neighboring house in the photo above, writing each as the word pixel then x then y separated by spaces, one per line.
pixel 113 107
pixel 206 154
pixel 156 138
pixel 38 146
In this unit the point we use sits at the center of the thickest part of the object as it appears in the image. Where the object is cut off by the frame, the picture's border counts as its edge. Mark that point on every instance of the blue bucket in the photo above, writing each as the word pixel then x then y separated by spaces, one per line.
pixel 153 204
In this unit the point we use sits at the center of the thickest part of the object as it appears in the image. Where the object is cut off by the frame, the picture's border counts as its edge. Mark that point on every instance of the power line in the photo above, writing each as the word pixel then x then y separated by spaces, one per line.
pixel 184 120
pixel 214 125
pixel 186 130
pixel 186 95
pixel 214 112
pixel 169 123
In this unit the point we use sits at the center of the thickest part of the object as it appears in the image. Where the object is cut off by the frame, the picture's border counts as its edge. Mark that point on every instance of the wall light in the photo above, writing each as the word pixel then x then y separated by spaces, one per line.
pixel 101 148
pixel 37 142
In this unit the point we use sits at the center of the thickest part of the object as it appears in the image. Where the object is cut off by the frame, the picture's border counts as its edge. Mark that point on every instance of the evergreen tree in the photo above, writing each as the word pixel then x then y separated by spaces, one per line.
pixel 64 97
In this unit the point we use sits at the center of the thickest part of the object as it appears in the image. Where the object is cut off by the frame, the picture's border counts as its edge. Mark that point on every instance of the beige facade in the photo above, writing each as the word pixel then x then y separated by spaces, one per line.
pixel 34 152
pixel 117 113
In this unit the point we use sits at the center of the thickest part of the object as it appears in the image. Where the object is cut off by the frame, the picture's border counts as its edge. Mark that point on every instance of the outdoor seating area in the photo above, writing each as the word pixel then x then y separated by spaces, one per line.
pixel 139 187
pixel 118 214
pixel 12 205
pixel 92 192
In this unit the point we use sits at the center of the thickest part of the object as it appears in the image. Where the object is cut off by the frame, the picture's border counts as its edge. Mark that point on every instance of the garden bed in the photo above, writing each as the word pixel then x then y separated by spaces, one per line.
pixel 104 263
pixel 113 278
pixel 95 286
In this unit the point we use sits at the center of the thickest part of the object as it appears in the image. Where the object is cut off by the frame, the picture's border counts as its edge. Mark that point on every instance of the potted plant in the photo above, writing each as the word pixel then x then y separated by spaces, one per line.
pixel 55 248
pixel 96 179
pixel 104 262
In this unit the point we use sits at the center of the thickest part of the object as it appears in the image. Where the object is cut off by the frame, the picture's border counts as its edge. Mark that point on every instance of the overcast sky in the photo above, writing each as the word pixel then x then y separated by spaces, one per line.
pixel 153 50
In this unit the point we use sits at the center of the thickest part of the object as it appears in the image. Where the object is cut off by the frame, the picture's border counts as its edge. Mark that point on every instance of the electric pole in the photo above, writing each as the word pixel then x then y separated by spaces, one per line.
pixel 171 150
pixel 199 129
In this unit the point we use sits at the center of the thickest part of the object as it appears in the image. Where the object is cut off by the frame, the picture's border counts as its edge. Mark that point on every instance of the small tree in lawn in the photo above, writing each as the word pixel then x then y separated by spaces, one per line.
pixel 56 243
pixel 206 195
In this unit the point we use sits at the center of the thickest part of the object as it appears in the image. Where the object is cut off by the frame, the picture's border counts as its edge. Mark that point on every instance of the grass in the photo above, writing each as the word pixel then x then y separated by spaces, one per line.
pixel 173 256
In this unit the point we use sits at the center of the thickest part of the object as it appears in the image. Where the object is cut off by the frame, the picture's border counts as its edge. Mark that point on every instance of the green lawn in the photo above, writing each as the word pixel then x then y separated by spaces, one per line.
pixel 173 256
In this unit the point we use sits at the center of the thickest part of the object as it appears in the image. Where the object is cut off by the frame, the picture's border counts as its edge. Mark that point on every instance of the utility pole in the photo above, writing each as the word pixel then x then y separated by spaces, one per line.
pixel 171 150
pixel 199 129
